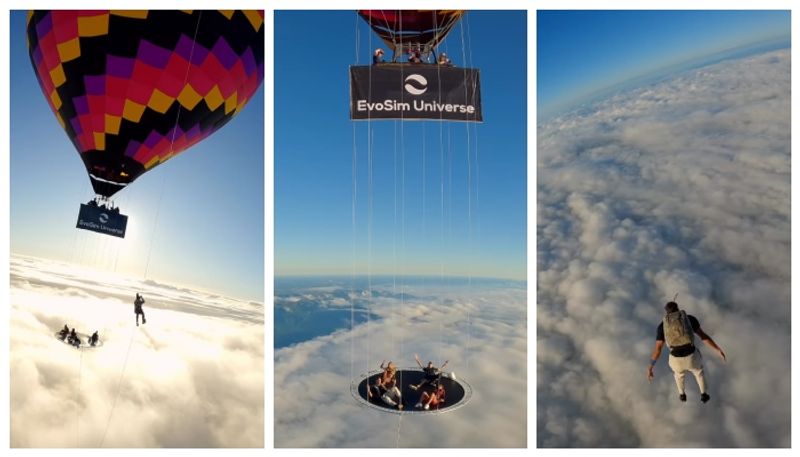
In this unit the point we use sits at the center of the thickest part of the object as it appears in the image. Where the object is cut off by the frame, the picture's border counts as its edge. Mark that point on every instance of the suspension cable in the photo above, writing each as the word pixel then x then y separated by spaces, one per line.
pixel 172 144
pixel 119 386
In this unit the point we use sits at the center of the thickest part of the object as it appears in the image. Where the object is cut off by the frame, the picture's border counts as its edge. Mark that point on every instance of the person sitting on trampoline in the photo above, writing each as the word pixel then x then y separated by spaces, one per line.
pixel 380 386
pixel 64 332
pixel 432 374
pixel 435 398
pixel 74 339
pixel 393 396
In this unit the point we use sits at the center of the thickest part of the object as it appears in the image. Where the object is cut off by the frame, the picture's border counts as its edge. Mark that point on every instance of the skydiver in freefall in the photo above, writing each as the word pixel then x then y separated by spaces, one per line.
pixel 137 309
pixel 94 338
pixel 678 330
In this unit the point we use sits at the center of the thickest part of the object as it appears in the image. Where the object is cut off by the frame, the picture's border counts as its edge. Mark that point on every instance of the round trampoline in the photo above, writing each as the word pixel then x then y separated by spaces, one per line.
pixel 457 392
pixel 84 341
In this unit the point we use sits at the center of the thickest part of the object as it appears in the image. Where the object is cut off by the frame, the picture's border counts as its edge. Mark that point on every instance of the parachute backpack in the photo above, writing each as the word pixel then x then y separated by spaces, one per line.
pixel 678 329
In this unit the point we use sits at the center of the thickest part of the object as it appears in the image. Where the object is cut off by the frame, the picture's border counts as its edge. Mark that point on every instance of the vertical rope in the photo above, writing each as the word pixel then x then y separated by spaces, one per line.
pixel 353 224
pixel 475 133
pixel 119 386
pixel 469 199
pixel 402 217
pixel 78 402
pixel 172 145
pixel 370 302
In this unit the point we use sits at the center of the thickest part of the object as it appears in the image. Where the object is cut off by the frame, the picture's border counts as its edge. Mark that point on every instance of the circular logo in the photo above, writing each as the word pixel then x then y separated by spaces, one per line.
pixel 103 218
pixel 416 84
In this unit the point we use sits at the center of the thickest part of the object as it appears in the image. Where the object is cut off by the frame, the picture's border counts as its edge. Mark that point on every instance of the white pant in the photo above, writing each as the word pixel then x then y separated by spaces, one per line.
pixel 693 363
pixel 392 396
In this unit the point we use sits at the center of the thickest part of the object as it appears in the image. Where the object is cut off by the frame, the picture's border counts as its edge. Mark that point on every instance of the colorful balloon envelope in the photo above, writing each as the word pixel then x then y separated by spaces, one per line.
pixel 132 89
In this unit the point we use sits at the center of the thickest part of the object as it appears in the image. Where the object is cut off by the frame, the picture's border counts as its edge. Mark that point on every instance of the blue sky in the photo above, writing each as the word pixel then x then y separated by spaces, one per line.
pixel 581 52
pixel 199 218
pixel 467 217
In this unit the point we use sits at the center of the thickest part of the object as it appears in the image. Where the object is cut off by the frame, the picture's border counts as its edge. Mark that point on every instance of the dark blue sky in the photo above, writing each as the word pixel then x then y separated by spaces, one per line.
pixel 581 52
pixel 208 201
pixel 436 207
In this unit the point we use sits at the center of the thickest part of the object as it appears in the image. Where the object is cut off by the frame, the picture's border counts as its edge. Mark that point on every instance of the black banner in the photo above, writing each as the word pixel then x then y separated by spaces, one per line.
pixel 102 220
pixel 415 91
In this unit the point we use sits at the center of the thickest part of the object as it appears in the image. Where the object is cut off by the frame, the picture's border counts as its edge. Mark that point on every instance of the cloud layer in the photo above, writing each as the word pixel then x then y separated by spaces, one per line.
pixel 193 376
pixel 480 329
pixel 682 186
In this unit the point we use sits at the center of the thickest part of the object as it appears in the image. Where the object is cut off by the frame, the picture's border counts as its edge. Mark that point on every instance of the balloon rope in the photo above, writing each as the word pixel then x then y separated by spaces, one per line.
pixel 78 402
pixel 469 197
pixel 399 424
pixel 119 385
pixel 369 213
pixel 353 224
pixel 172 144
pixel 475 132
pixel 441 190
pixel 185 79
pixel 400 328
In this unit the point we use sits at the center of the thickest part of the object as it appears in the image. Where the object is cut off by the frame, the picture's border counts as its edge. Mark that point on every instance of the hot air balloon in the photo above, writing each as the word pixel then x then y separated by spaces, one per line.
pixel 132 89
pixel 414 89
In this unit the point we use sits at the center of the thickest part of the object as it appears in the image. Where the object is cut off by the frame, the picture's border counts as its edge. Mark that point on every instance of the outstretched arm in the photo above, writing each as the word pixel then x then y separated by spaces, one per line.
pixel 416 357
pixel 710 343
pixel 444 364
pixel 653 358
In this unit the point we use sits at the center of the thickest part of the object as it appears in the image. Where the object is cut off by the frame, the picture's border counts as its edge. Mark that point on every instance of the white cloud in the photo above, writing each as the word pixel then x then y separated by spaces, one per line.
pixel 482 332
pixel 682 187
pixel 191 377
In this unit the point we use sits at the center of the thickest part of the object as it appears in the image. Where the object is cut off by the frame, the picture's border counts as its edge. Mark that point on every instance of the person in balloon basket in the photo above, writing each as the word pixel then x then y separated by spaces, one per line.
pixel 415 55
pixel 677 329
pixel 432 373
pixel 377 56
pixel 137 308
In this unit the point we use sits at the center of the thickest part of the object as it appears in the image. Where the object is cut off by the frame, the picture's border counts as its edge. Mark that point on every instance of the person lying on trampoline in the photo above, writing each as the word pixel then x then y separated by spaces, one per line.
pixel 432 374
pixel 435 398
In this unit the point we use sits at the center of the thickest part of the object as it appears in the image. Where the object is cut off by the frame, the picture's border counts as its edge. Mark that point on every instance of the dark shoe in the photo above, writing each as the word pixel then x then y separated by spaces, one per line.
pixel 682 397
pixel 704 397
pixel 144 321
